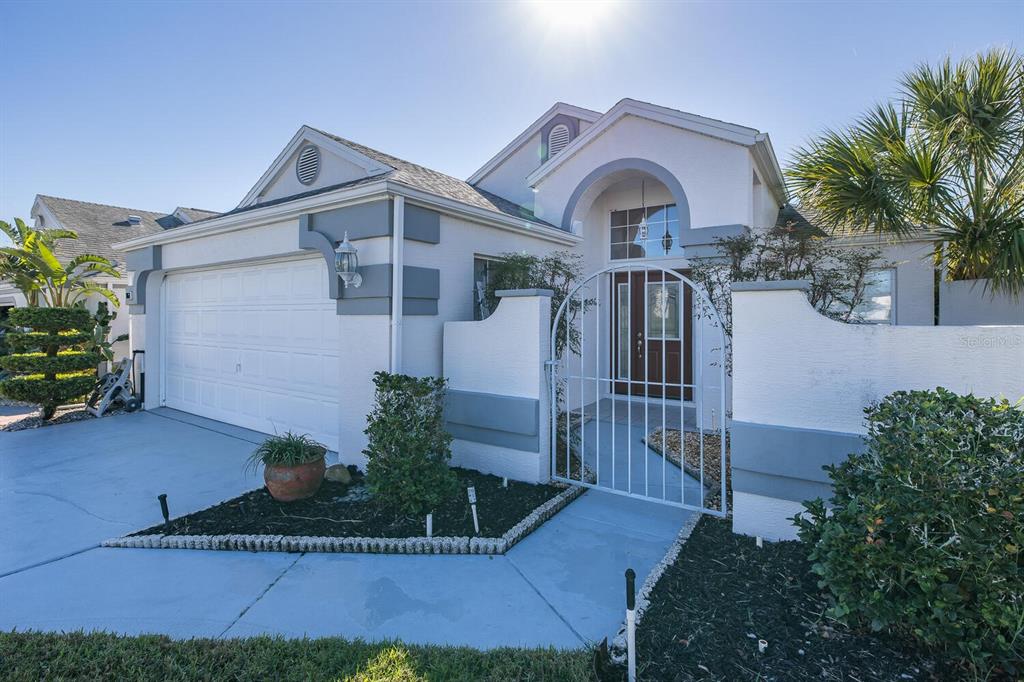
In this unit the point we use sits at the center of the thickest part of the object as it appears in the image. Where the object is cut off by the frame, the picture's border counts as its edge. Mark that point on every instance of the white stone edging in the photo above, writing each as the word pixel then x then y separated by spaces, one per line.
pixel 618 645
pixel 308 543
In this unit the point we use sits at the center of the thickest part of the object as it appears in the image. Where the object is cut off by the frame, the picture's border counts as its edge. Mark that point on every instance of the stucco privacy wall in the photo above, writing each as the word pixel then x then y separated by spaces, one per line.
pixel 801 382
pixel 498 397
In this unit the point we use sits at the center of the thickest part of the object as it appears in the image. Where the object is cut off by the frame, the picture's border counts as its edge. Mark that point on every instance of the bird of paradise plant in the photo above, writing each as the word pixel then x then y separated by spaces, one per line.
pixel 31 265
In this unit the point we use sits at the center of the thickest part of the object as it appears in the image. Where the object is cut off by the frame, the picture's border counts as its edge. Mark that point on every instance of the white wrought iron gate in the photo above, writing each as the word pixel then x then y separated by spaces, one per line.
pixel 637 375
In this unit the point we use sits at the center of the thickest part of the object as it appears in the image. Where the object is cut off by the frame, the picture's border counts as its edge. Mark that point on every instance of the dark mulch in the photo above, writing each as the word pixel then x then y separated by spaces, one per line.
pixel 340 510
pixel 723 594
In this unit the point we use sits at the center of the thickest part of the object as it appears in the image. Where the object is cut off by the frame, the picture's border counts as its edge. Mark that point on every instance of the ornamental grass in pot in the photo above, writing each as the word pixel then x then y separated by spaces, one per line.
pixel 293 466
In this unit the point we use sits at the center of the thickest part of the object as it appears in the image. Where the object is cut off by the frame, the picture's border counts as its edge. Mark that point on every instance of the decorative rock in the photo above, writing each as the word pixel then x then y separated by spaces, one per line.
pixel 338 473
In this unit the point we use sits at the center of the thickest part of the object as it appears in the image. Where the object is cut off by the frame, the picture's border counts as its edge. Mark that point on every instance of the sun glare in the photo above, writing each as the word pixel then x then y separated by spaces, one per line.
pixel 571 17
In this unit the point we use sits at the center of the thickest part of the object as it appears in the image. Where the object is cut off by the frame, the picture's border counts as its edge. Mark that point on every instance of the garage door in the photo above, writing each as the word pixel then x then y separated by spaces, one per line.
pixel 255 346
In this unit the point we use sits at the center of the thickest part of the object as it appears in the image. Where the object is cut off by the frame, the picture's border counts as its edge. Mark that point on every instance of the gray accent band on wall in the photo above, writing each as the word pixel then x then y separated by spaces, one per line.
pixel 375 219
pixel 790 458
pixel 142 262
pixel 421 291
pixel 523 293
pixel 502 420
pixel 781 285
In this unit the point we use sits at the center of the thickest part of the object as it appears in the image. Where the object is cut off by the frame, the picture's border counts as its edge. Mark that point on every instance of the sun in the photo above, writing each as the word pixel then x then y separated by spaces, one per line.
pixel 570 17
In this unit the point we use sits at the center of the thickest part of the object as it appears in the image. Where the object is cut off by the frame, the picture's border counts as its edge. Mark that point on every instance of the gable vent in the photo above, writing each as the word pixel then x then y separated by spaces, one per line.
pixel 308 165
pixel 557 139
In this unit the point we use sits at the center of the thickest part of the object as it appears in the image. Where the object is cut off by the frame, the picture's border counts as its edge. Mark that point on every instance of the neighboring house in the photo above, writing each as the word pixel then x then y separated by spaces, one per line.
pixel 243 318
pixel 98 227
pixel 912 289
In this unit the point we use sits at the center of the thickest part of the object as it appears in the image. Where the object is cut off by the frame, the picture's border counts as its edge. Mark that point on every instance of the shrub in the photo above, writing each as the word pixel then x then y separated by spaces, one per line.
pixel 288 449
pixel 409 449
pixel 49 365
pixel 926 533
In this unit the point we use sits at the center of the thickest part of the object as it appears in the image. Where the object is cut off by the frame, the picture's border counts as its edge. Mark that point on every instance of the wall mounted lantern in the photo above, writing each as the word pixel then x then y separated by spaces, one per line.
pixel 346 262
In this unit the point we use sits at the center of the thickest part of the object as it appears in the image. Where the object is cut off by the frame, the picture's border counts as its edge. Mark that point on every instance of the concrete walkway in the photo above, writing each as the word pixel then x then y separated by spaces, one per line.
pixel 64 489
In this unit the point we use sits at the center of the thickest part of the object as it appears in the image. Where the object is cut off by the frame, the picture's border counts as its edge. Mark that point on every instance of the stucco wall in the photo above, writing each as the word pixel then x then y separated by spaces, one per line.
pixel 968 302
pixel 500 358
pixel 509 179
pixel 715 174
pixel 461 241
pixel 802 381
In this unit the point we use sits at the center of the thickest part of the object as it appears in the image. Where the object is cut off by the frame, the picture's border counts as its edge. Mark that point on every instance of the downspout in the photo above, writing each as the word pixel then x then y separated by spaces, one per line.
pixel 397 287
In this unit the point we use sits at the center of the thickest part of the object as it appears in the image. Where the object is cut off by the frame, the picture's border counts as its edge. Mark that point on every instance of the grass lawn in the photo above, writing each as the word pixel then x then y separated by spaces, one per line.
pixel 723 594
pixel 37 656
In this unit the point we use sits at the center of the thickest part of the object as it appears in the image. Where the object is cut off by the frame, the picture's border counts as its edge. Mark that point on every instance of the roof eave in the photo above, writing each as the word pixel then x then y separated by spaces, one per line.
pixel 343 196
pixel 587 115
pixel 728 132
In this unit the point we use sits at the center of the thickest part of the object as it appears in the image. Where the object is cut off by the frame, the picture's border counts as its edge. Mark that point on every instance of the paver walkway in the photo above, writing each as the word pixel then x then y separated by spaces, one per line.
pixel 64 489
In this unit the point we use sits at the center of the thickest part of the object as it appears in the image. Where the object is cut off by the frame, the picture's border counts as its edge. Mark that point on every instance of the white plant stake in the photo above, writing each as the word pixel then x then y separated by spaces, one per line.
pixel 504 482
pixel 631 624
pixel 430 525
pixel 471 491
pixel 760 542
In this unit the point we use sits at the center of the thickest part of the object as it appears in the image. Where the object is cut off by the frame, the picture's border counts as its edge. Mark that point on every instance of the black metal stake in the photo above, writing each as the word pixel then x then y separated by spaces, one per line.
pixel 631 623
pixel 163 508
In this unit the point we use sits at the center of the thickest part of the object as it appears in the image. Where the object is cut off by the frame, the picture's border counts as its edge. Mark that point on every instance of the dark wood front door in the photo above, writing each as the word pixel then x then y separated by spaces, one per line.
pixel 652 334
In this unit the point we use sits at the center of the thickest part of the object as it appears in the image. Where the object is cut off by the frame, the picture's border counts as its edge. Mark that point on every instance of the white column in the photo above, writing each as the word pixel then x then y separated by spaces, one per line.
pixel 397 291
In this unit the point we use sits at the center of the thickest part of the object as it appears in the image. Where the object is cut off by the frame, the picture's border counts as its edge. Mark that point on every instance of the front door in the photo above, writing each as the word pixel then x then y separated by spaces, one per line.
pixel 652 335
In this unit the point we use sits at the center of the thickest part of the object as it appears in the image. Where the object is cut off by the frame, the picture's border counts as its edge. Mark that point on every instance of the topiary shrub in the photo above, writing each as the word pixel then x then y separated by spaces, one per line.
pixel 925 536
pixel 49 366
pixel 409 448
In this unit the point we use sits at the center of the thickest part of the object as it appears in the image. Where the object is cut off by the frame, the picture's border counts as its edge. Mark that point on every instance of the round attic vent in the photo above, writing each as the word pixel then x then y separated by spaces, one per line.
pixel 308 165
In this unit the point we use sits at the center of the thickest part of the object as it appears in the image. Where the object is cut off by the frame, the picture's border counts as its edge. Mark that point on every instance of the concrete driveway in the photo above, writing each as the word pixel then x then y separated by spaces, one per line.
pixel 64 489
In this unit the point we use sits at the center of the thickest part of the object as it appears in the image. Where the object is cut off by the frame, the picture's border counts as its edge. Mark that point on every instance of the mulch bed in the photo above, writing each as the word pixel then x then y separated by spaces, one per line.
pixel 691 458
pixel 723 594
pixel 340 510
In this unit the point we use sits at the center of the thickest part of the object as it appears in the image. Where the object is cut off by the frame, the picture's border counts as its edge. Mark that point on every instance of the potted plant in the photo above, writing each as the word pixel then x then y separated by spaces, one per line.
pixel 293 466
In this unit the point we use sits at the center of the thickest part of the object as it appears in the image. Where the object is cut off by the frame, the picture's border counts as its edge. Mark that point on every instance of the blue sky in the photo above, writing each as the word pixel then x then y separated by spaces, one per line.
pixel 151 105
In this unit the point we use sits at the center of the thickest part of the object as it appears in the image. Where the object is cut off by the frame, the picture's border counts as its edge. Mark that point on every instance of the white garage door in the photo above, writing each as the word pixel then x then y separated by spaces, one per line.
pixel 255 346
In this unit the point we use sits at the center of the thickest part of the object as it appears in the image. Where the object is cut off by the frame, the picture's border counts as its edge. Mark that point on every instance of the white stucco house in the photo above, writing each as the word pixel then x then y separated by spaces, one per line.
pixel 244 319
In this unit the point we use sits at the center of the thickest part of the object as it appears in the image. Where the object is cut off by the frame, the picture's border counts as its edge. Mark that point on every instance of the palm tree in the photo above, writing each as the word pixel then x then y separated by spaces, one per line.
pixel 32 266
pixel 947 157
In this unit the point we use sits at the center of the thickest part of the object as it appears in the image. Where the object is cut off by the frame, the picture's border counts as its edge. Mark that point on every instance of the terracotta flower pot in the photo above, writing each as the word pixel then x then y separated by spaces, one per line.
pixel 290 483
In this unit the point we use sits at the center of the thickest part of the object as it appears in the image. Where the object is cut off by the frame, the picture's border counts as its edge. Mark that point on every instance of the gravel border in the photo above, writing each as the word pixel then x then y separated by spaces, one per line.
pixel 617 649
pixel 307 543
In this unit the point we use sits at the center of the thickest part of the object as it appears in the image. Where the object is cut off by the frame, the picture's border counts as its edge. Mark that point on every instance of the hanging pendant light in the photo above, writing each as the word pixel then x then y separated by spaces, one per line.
pixel 666 240
pixel 642 227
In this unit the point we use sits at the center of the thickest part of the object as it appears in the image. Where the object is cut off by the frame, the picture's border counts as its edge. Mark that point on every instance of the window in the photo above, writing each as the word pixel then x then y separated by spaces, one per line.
pixel 876 308
pixel 629 239
pixel 558 138
pixel 663 310
pixel 483 268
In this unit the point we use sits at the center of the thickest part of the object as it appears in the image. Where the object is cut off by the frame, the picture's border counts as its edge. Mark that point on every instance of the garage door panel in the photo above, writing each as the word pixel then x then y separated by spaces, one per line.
pixel 255 346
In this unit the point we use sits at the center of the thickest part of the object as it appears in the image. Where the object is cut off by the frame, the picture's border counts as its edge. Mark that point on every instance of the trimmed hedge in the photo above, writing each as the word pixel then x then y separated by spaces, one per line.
pixel 925 536
pixel 52 367
pixel 409 448
pixel 41 363
pixel 38 389
pixel 51 319
pixel 26 342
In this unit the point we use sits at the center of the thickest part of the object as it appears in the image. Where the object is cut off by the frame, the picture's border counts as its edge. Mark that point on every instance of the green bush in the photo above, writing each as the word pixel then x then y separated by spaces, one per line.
pixel 408 448
pixel 49 364
pixel 925 536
